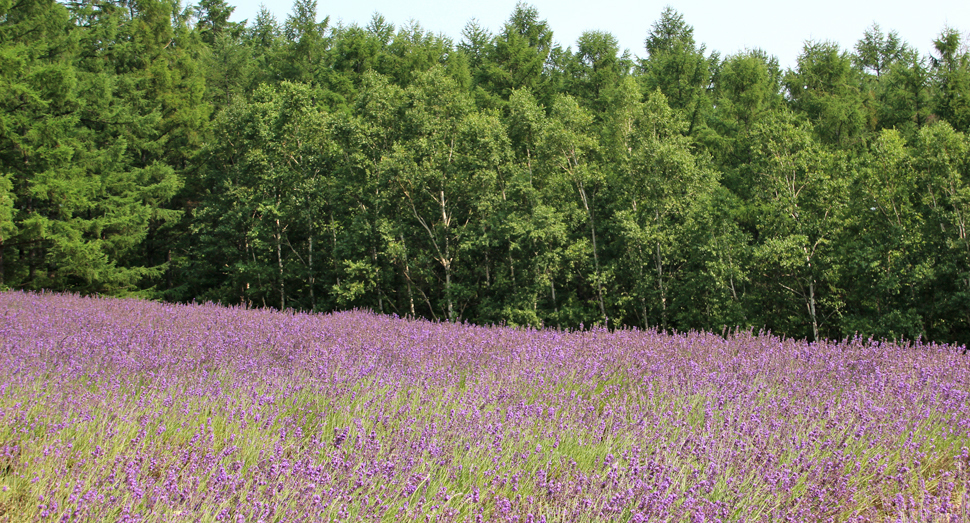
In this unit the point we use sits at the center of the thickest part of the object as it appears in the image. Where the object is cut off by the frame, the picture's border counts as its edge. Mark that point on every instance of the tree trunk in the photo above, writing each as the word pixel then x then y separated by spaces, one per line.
pixel 279 261
pixel 31 274
pixel 488 275
pixel 811 309
pixel 443 255
pixel 313 276
pixel 168 269
pixel 447 264
pixel 555 304
pixel 376 238
pixel 380 296
pixel 512 267
pixel 407 276
pixel 596 258
pixel 640 259
pixel 663 290
pixel 447 259
pixel 243 293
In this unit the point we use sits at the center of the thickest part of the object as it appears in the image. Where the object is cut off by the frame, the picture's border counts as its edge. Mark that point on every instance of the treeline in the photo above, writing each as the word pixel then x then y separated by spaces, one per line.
pixel 154 149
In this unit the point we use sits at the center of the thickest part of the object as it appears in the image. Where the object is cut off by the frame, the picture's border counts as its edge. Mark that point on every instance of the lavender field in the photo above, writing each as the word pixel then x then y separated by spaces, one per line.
pixel 125 410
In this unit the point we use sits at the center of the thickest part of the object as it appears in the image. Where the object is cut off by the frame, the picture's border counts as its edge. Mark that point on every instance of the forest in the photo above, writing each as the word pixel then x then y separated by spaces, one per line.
pixel 158 150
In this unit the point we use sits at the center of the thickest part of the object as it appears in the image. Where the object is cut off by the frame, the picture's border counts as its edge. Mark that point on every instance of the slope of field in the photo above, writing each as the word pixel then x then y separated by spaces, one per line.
pixel 124 410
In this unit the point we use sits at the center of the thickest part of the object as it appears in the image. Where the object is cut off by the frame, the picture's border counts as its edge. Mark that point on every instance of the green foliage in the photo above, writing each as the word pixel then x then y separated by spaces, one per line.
pixel 660 217
pixel 596 69
pixel 748 87
pixel 89 148
pixel 677 66
pixel 268 179
pixel 825 88
pixel 941 158
pixel 517 56
pixel 951 65
pixel 905 97
pixel 877 52
pixel 886 244
pixel 155 149
pixel 800 201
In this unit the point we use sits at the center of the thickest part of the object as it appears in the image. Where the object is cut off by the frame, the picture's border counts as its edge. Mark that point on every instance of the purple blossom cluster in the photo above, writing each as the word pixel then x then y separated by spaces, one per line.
pixel 127 410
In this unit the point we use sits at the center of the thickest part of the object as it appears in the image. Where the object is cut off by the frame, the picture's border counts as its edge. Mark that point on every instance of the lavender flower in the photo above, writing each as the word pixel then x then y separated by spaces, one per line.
pixel 125 410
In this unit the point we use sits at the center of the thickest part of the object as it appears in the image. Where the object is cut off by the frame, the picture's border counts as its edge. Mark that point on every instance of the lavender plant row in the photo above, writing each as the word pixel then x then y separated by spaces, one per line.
pixel 125 410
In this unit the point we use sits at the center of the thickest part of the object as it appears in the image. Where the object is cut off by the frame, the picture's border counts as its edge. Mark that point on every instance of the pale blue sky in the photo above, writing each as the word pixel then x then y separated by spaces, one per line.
pixel 777 27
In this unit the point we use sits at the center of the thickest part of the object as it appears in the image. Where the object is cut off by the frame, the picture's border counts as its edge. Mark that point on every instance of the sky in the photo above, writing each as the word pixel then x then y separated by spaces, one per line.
pixel 780 28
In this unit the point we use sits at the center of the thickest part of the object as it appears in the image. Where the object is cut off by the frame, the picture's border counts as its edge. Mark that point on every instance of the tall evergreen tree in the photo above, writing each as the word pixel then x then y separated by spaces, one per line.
pixel 877 52
pixel 89 160
pixel 748 90
pixel 827 89
pixel 596 70
pixel 517 56
pixel 677 66
pixel 951 65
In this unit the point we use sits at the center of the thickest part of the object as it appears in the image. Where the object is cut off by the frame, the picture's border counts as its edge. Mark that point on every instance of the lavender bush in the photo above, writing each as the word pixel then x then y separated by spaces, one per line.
pixel 125 410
